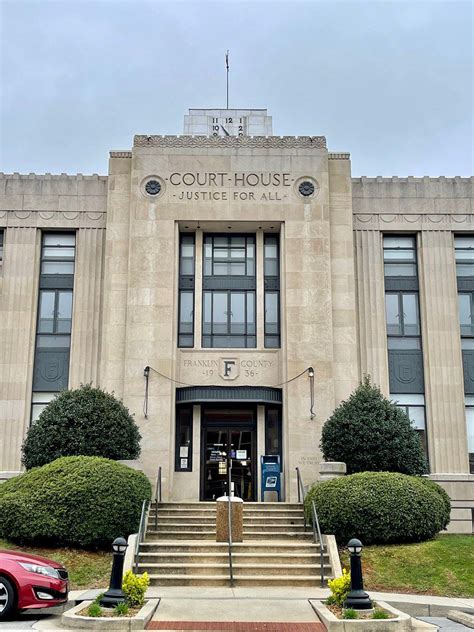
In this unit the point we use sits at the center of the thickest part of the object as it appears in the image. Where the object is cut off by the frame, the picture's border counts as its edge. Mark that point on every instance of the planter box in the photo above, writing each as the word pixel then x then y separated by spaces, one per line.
pixel 401 623
pixel 71 619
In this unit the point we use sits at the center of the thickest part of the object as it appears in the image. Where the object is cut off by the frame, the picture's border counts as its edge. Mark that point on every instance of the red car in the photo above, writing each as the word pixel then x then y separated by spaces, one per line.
pixel 30 581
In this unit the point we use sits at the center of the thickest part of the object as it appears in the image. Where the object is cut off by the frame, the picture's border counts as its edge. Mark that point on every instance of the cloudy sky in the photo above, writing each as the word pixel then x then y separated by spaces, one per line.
pixel 391 82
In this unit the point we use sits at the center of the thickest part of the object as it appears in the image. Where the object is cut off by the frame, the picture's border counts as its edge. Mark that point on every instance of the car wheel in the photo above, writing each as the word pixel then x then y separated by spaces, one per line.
pixel 7 598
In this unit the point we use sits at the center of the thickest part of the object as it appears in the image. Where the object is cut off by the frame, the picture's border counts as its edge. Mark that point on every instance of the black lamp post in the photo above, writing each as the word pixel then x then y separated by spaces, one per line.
pixel 115 594
pixel 357 597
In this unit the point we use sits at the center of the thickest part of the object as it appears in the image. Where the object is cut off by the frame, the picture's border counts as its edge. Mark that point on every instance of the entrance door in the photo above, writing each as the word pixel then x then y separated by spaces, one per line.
pixel 228 433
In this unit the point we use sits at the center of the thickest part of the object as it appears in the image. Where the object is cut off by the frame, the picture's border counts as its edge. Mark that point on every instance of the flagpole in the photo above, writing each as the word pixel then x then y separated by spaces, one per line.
pixel 227 68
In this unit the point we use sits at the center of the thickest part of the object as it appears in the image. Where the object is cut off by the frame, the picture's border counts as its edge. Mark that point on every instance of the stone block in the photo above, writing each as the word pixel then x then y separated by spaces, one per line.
pixel 222 519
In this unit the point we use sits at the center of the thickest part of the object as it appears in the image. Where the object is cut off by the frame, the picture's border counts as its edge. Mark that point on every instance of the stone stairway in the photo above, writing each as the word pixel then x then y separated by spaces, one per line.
pixel 180 547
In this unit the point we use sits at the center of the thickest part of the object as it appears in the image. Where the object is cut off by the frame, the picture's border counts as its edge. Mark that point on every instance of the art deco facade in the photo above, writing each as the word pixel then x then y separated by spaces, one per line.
pixel 229 261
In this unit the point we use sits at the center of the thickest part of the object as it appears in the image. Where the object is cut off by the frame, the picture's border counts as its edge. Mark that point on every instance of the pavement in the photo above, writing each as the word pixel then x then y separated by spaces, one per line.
pixel 250 609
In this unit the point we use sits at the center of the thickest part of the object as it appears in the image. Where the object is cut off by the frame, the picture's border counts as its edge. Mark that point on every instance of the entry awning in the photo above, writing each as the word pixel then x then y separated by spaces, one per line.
pixel 256 394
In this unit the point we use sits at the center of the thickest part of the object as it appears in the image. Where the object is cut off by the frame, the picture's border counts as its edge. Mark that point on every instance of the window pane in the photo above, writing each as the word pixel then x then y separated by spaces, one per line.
pixel 57 267
pixel 465 255
pixel 403 343
pixel 187 267
pixel 58 239
pixel 465 317
pixel 464 270
pixel 186 313
pixel 399 255
pixel 271 313
pixel 219 313
pixel 272 342
pixel 237 241
pixel 58 253
pixel 410 315
pixel 400 269
pixel 271 267
pixel 64 315
pixel 272 432
pixel 57 342
pixel 237 313
pixel 220 241
pixel 251 313
pixel 207 317
pixel 392 313
pixel 470 428
pixel 237 253
pixel 417 416
pixel 221 269
pixel 464 242
pixel 467 343
pixel 46 312
pixel 398 242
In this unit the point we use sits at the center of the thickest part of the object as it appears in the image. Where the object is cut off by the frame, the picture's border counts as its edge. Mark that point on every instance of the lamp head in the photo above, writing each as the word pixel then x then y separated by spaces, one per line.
pixel 119 545
pixel 354 546
pixel 146 371
pixel 311 371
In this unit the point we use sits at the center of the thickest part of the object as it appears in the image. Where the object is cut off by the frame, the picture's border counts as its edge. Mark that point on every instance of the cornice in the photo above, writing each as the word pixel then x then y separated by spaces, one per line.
pixel 252 142
pixel 413 221
pixel 338 156
pixel 120 154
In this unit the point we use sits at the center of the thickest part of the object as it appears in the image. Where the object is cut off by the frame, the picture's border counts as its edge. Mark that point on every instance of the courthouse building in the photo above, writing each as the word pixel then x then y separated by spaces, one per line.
pixel 229 261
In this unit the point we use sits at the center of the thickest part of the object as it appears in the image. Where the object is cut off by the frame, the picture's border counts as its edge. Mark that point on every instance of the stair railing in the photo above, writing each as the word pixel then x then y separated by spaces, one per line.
pixel 317 537
pixel 229 518
pixel 157 496
pixel 301 493
pixel 141 534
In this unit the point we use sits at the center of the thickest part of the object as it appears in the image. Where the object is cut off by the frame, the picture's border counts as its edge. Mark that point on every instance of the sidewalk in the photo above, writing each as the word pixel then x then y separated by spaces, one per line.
pixel 250 608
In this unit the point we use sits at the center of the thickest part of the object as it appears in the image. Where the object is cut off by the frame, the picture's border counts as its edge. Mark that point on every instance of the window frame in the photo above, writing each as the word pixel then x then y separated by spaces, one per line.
pixel 401 314
pixel 186 285
pixel 213 336
pixel 64 259
pixel 408 261
pixel 250 239
pixel 2 245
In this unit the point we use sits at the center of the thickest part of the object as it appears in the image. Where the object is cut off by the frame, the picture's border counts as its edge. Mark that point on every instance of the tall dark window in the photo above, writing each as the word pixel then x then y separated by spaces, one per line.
pixel 54 321
pixel 186 291
pixel 184 439
pixel 272 290
pixel 273 432
pixel 464 252
pixel 402 310
pixel 1 247
pixel 229 314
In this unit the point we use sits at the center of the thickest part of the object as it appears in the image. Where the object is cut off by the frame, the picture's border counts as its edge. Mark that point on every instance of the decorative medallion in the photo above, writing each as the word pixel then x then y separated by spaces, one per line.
pixel 152 187
pixel 306 188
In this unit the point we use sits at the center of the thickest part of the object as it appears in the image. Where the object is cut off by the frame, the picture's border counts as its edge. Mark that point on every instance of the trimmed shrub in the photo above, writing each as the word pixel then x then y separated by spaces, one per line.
pixel 380 507
pixel 368 432
pixel 73 501
pixel 86 421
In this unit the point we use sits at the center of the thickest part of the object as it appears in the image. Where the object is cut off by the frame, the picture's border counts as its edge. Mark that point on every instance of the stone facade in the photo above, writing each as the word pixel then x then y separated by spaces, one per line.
pixel 332 310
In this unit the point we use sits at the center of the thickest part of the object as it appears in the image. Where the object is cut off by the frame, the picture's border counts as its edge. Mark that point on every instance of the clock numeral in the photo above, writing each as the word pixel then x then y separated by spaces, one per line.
pixel 215 128
pixel 240 134
pixel 215 134
pixel 214 120
pixel 228 120
pixel 241 129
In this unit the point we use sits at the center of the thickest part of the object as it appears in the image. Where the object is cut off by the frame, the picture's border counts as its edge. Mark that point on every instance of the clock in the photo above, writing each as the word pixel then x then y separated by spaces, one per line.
pixel 227 125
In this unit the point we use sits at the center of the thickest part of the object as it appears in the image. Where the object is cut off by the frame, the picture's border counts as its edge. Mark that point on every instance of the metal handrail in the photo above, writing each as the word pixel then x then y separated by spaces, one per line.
pixel 229 519
pixel 141 533
pixel 301 494
pixel 317 537
pixel 317 534
pixel 157 496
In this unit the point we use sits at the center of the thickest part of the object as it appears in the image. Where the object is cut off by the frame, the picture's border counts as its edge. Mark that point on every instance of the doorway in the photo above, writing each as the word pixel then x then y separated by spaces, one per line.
pixel 231 432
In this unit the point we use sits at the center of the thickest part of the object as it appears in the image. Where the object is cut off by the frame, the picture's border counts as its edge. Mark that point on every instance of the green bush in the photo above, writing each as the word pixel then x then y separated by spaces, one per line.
pixel 368 432
pixel 380 507
pixel 86 421
pixel 74 501
pixel 135 587
pixel 340 587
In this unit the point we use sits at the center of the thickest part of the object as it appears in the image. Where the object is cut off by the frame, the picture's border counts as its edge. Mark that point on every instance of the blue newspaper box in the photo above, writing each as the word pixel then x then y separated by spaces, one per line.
pixel 271 478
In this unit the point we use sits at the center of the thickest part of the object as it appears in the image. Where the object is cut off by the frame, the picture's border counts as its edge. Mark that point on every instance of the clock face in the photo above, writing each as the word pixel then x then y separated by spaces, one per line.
pixel 227 126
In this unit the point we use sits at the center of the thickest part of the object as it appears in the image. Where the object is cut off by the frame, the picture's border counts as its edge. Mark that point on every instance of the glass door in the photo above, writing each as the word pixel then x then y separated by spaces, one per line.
pixel 228 435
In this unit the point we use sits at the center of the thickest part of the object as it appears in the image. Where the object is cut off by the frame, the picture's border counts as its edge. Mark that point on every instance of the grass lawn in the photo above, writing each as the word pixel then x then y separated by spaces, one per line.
pixel 442 566
pixel 87 569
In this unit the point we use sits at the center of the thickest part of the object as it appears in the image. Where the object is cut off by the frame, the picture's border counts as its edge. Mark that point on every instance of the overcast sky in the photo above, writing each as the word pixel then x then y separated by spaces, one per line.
pixel 391 82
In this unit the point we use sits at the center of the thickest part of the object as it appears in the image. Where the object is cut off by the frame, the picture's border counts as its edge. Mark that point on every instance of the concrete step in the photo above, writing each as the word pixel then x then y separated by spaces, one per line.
pixel 178 519
pixel 275 520
pixel 195 557
pixel 182 526
pixel 270 528
pixel 241 580
pixel 180 535
pixel 283 535
pixel 238 569
pixel 282 547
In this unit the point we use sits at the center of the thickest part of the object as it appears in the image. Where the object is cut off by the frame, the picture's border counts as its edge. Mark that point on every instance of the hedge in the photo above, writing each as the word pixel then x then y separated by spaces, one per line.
pixel 380 507
pixel 73 501
pixel 85 421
